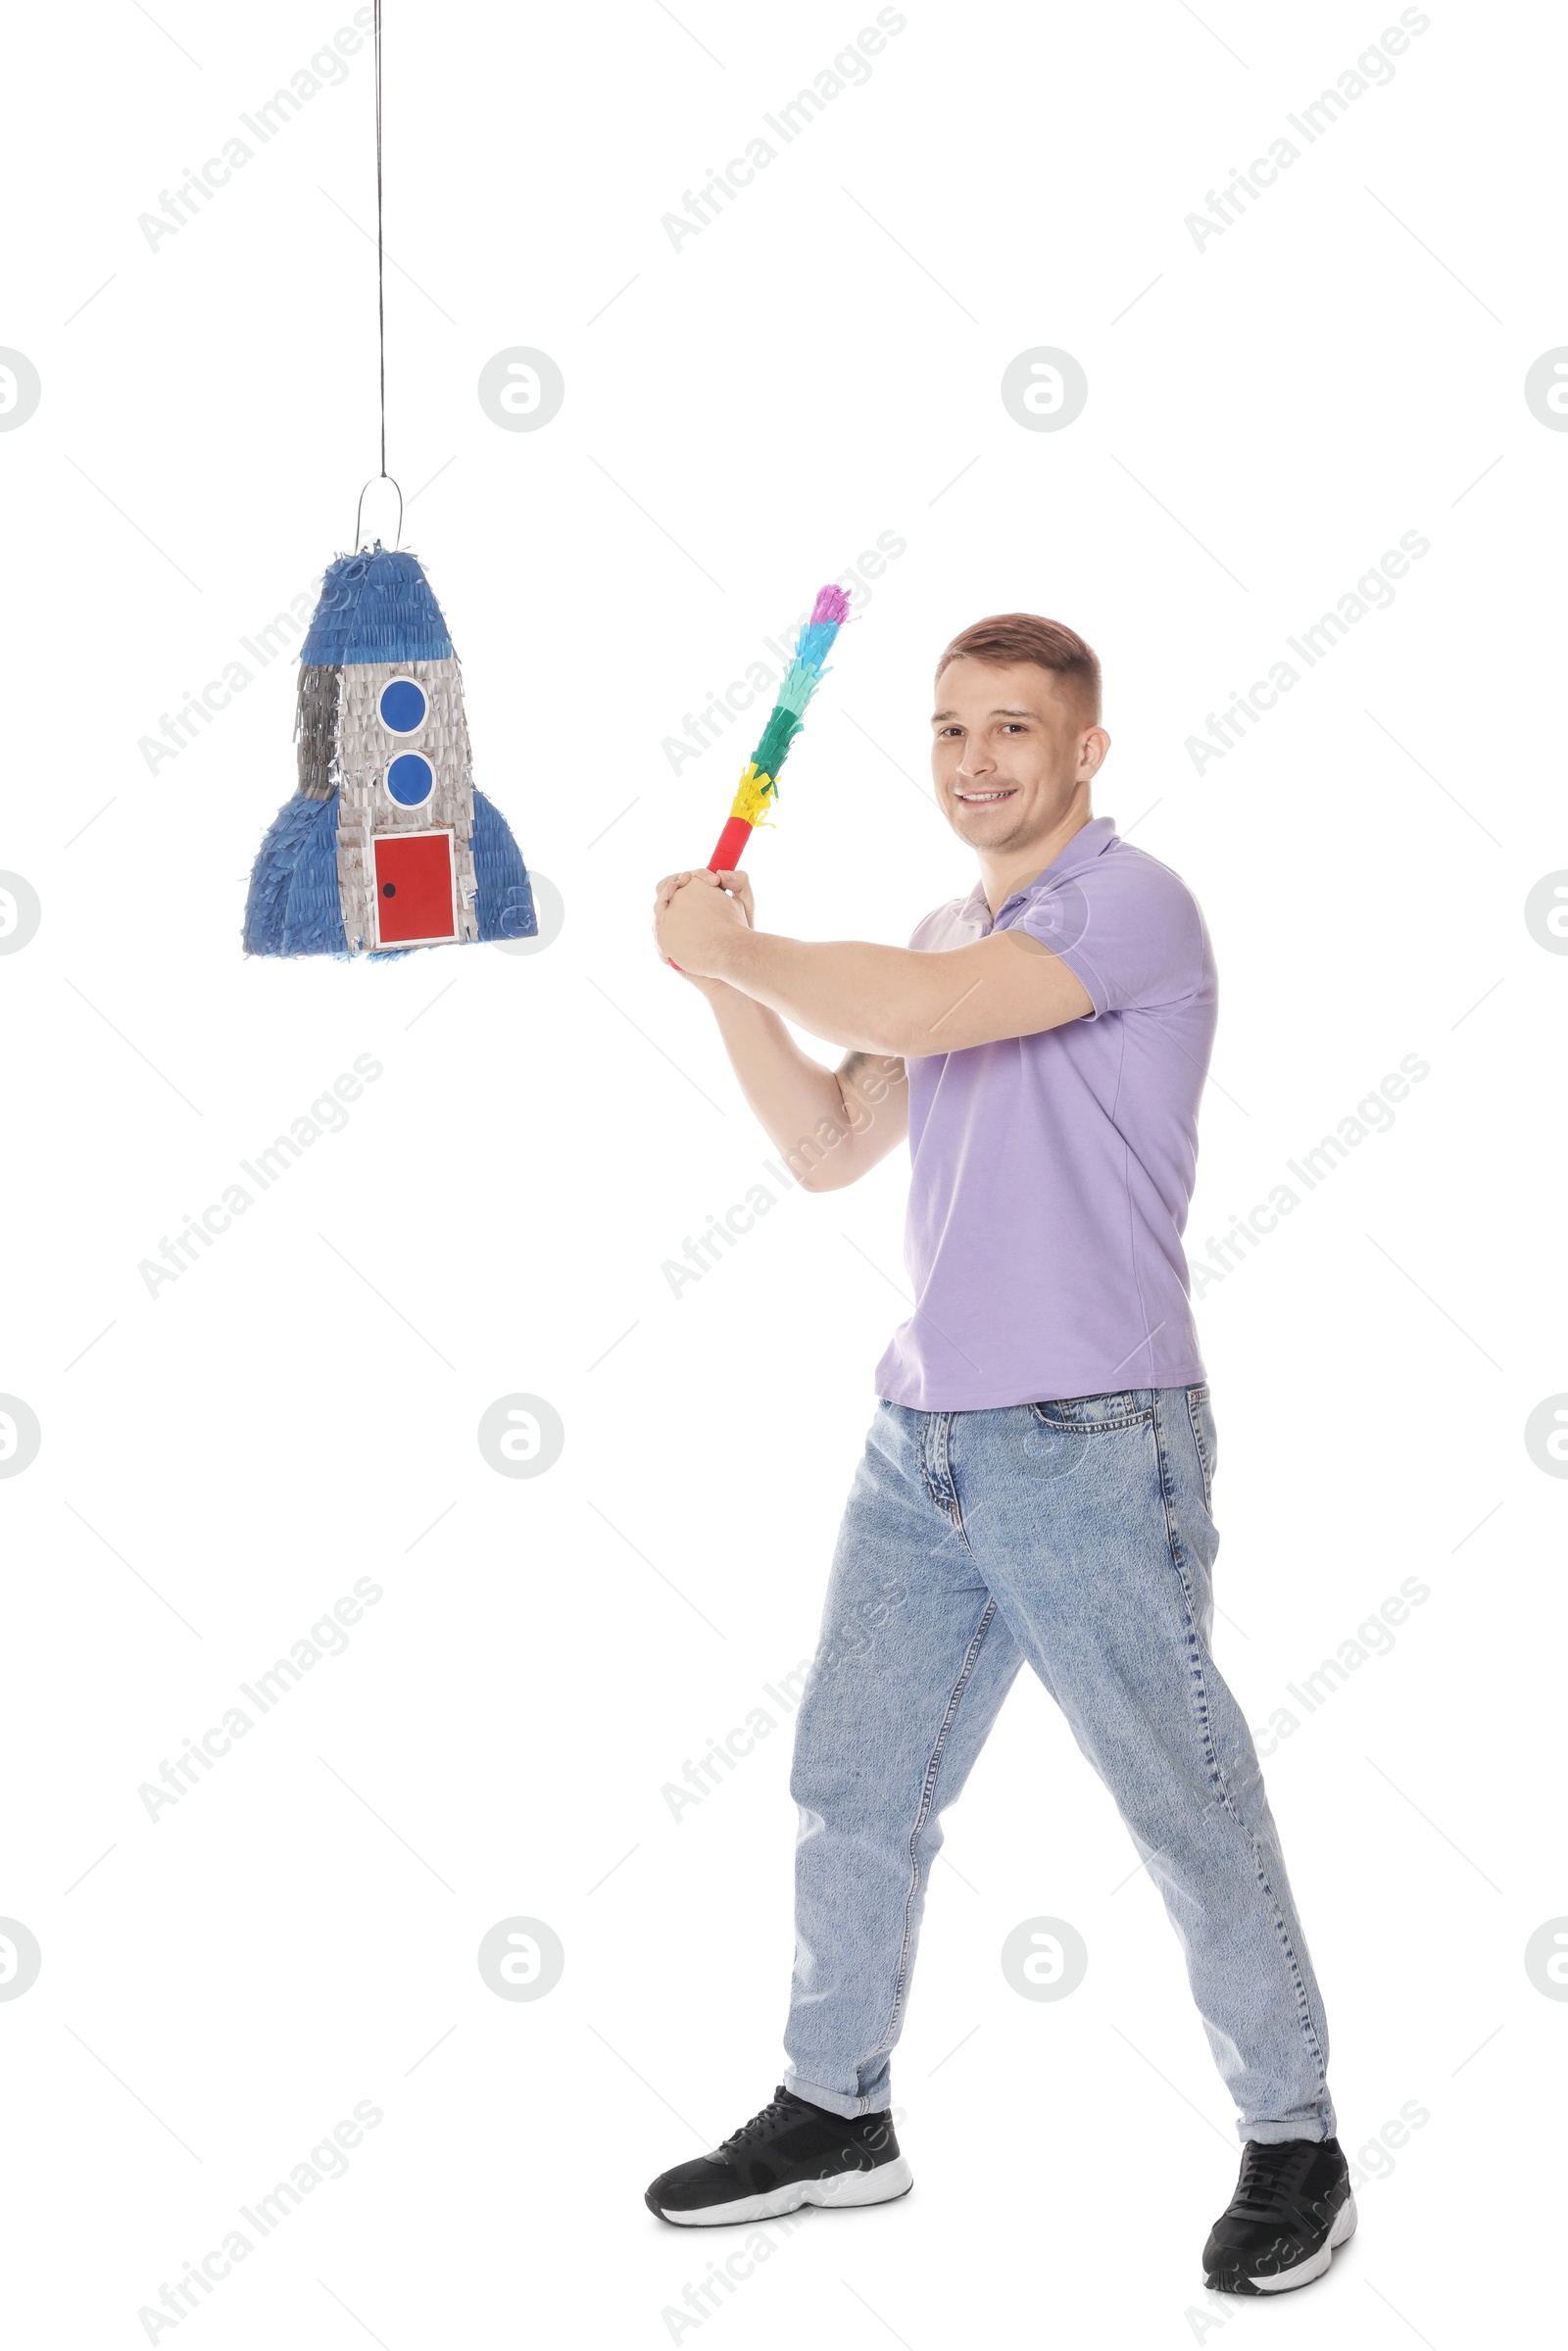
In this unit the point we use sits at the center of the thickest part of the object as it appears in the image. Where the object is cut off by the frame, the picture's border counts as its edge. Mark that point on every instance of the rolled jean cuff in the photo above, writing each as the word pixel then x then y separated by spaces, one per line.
pixel 834 2100
pixel 1316 2127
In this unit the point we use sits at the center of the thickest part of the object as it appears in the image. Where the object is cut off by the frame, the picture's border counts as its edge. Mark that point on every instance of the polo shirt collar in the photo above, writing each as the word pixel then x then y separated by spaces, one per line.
pixel 1090 842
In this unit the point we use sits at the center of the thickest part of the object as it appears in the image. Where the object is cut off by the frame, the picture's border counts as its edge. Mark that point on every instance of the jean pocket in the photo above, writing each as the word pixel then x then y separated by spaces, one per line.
pixel 1096 1415
pixel 1201 1412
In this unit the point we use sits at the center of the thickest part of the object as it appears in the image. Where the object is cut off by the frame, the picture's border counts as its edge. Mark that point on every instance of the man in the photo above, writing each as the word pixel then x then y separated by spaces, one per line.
pixel 1037 1482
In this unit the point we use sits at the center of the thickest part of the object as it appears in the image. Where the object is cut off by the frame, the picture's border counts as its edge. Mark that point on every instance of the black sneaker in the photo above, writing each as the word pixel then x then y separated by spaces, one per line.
pixel 1292 2206
pixel 792 2153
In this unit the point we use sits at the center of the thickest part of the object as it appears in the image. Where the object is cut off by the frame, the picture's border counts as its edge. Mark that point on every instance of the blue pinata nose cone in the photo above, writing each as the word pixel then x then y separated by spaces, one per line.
pixel 376 606
pixel 387 845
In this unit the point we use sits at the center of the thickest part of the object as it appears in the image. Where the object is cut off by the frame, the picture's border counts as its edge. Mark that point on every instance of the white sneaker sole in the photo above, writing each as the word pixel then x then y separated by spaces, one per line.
pixel 845 2190
pixel 1304 2272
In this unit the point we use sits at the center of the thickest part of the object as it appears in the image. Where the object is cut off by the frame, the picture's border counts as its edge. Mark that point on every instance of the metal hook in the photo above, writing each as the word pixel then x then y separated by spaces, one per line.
pixel 360 508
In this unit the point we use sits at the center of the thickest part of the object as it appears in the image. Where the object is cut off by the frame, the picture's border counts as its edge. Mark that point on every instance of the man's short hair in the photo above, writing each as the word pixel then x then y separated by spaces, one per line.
pixel 1010 637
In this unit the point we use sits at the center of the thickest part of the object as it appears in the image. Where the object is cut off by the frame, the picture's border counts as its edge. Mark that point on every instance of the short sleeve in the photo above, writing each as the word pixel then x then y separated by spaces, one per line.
pixel 1128 928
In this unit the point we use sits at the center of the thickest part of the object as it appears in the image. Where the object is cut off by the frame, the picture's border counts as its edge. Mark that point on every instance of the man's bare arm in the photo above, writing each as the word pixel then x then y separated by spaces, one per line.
pixel 830 1126
pixel 876 999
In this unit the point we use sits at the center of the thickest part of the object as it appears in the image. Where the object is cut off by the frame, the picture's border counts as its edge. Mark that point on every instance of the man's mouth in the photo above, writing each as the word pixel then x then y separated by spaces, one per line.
pixel 980 800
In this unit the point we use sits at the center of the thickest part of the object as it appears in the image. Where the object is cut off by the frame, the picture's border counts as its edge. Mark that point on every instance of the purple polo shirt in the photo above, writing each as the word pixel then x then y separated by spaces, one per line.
pixel 1051 1175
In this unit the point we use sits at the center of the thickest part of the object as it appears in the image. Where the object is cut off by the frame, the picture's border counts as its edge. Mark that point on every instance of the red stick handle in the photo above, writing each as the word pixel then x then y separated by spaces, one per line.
pixel 729 850
pixel 730 846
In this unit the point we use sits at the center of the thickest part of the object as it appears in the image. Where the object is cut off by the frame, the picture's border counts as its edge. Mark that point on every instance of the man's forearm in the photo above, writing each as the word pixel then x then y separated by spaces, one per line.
pixel 828 1126
pixel 898 1000
pixel 876 999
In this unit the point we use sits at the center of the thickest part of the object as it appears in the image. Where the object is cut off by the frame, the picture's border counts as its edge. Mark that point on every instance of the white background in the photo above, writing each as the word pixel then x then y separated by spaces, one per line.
pixel 219 1463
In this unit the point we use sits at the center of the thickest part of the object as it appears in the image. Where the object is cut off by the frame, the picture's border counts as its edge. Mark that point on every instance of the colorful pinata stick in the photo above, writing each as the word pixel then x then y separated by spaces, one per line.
pixel 758 786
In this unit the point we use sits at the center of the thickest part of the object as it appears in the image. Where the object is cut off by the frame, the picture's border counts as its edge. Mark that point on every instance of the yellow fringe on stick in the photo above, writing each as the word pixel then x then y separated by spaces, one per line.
pixel 754 796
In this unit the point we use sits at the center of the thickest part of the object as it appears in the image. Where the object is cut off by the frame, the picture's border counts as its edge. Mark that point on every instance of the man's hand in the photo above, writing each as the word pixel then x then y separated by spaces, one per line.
pixel 694 914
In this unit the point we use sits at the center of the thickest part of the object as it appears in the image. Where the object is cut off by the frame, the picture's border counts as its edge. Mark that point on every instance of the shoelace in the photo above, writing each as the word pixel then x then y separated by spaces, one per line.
pixel 1270 2182
pixel 775 2109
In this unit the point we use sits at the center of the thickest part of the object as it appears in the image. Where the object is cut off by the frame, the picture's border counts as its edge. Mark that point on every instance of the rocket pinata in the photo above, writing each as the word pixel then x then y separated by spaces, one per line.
pixel 386 845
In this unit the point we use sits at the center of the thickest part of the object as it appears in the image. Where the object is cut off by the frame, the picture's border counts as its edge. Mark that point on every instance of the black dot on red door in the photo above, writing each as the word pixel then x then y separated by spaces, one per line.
pixel 389 889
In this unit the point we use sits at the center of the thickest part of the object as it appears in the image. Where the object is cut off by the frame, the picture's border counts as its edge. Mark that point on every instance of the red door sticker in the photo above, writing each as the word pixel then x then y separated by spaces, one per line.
pixel 414 893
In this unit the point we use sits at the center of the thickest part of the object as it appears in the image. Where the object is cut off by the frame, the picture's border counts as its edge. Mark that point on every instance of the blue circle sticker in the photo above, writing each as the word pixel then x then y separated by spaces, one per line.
pixel 410 779
pixel 403 706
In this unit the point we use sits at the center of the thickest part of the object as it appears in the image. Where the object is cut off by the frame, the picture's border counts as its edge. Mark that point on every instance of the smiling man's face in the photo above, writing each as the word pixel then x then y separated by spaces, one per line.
pixel 1012 751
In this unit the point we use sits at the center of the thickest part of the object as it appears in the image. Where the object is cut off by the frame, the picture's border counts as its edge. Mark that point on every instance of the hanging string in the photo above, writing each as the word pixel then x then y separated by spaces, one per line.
pixel 380 271
pixel 380 294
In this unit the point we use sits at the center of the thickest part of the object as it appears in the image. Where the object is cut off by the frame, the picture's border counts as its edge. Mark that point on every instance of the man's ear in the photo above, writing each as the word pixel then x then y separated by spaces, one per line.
pixel 1093 746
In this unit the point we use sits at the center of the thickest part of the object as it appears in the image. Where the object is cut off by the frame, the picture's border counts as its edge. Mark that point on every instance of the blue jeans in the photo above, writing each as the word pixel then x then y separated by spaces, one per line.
pixel 1077 1535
